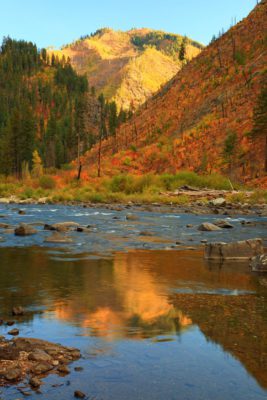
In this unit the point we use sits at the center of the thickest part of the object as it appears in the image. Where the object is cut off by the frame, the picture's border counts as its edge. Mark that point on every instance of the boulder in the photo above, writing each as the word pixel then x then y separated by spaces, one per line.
pixel 79 395
pixel 259 263
pixel 208 227
pixel 242 250
pixel 223 223
pixel 220 202
pixel 13 332
pixel 25 230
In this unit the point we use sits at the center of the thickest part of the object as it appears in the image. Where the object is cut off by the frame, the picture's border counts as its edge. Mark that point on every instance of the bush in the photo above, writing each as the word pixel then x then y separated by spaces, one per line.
pixel 47 182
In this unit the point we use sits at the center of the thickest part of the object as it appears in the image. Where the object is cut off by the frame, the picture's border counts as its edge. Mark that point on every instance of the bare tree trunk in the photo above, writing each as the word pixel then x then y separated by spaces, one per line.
pixel 79 157
pixel 79 172
pixel 99 157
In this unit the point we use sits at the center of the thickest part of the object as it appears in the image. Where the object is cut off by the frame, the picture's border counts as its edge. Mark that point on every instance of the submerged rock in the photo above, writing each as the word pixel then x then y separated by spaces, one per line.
pixel 132 217
pixel 57 238
pixel 208 227
pixel 259 263
pixel 242 250
pixel 4 226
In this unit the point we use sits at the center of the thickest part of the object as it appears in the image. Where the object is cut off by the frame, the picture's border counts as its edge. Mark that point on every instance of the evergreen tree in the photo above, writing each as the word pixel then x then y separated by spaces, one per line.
pixel 182 52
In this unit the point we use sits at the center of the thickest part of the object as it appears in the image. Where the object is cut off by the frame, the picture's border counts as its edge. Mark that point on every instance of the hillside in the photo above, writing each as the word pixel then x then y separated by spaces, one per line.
pixel 128 67
pixel 202 119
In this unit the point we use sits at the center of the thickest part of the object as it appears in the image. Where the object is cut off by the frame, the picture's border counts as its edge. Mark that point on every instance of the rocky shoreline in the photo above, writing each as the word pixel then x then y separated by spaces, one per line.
pixel 218 206
pixel 29 360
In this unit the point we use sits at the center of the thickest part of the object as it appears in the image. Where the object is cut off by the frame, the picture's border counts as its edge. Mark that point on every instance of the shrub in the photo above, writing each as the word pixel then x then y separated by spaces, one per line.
pixel 47 182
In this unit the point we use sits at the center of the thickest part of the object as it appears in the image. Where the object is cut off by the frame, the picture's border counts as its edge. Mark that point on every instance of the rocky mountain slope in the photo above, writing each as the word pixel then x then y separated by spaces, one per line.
pixel 128 67
pixel 202 118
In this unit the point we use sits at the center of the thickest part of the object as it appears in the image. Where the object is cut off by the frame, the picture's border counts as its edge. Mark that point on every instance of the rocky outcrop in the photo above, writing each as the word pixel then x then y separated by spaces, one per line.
pixel 242 250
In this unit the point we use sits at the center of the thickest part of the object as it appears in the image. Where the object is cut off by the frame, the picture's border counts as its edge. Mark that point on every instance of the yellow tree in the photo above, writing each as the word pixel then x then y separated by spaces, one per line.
pixel 37 167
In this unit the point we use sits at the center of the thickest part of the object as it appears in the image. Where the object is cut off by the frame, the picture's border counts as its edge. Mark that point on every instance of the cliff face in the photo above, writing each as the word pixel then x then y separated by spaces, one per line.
pixel 128 67
pixel 201 119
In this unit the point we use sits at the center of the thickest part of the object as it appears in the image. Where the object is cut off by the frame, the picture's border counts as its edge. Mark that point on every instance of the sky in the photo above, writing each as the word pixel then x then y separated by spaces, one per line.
pixel 58 22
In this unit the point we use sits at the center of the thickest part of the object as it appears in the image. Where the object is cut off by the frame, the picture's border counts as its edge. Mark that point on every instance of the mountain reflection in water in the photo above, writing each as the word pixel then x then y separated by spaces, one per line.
pixel 140 295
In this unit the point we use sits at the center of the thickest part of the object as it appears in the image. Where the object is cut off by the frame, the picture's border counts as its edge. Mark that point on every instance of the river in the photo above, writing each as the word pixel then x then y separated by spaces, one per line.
pixel 152 319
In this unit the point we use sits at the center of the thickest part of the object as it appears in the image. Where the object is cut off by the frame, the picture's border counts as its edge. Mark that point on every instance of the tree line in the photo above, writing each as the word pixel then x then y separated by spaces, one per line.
pixel 42 103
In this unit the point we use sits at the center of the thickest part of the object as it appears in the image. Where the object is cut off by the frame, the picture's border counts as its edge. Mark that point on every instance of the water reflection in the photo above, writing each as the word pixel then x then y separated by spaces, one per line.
pixel 139 295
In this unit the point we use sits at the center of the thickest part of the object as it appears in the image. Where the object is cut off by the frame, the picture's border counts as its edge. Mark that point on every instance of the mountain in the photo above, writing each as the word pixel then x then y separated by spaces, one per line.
pixel 128 67
pixel 203 118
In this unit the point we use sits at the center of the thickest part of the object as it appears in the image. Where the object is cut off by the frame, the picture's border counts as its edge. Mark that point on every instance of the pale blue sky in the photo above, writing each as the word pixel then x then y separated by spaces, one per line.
pixel 57 22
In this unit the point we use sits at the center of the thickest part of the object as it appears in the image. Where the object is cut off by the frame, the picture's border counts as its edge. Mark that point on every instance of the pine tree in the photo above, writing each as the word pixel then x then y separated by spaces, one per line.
pixel 182 52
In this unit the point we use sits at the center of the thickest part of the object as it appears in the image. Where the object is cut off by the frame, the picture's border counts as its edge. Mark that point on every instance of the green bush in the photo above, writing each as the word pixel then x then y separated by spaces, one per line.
pixel 47 182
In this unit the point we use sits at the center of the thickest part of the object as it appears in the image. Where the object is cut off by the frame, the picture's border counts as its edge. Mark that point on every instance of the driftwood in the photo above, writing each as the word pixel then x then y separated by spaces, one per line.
pixel 207 193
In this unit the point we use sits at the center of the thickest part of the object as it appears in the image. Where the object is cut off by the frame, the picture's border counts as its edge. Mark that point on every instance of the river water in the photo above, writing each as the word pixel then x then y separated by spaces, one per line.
pixel 152 320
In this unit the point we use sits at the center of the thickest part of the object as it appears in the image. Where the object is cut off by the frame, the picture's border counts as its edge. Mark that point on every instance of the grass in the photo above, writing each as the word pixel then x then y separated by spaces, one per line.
pixel 147 188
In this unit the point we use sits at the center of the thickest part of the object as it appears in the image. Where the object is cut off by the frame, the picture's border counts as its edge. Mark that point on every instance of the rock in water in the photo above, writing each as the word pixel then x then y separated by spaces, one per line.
pixel 13 332
pixel 35 382
pixel 132 217
pixel 41 368
pixel 79 395
pixel 223 223
pixel 208 227
pixel 61 226
pixel 259 263
pixel 242 250
pixel 25 230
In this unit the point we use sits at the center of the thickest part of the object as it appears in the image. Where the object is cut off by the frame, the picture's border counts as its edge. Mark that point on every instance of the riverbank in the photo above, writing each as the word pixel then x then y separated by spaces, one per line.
pixel 181 189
